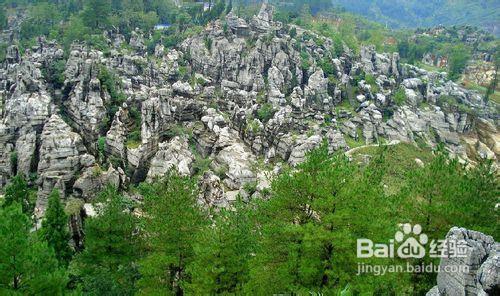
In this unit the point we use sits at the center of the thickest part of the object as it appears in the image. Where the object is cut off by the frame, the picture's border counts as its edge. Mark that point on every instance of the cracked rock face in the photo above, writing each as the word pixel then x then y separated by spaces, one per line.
pixel 85 103
pixel 61 154
pixel 236 161
pixel 94 179
pixel 174 154
pixel 212 191
pixel 482 259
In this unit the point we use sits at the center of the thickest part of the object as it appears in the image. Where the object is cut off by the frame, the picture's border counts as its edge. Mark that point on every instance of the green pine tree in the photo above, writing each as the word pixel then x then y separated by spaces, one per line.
pixel 222 253
pixel 55 229
pixel 308 229
pixel 172 218
pixel 18 192
pixel 107 265
pixel 96 13
pixel 27 265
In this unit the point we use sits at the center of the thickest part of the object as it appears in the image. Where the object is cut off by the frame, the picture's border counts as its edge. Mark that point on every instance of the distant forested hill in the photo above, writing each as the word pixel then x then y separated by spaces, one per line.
pixel 418 13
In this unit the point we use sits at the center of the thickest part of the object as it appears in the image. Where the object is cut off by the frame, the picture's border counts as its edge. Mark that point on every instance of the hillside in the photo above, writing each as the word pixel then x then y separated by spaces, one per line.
pixel 414 13
pixel 232 151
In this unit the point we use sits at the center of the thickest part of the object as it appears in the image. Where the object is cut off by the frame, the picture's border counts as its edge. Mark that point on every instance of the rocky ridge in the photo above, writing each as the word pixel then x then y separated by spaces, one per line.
pixel 241 94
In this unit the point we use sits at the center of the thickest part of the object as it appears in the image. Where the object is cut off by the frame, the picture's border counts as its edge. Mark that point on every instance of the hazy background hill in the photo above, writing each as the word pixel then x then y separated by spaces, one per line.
pixel 417 13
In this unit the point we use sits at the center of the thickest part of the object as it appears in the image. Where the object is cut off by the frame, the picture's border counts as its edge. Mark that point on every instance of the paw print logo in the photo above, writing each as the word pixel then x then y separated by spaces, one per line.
pixel 412 241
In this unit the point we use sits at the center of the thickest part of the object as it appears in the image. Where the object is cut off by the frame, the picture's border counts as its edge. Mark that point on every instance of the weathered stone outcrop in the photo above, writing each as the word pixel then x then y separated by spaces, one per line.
pixel 61 157
pixel 95 179
pixel 86 100
pixel 243 93
pixel 481 262
pixel 117 135
pixel 174 154
pixel 235 162
pixel 212 191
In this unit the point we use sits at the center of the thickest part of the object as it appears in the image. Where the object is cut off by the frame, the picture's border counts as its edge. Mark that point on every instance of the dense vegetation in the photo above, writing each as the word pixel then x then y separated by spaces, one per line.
pixel 411 13
pixel 300 237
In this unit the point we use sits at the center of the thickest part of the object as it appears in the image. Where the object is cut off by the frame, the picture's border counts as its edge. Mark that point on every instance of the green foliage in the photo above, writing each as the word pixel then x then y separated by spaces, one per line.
pixel 457 61
pixel 399 160
pixel 222 253
pixel 491 92
pixel 54 73
pixel 327 66
pixel 201 164
pixel 27 266
pixel 101 146
pixel 443 194
pixel 96 13
pixel 134 139
pixel 74 29
pixel 208 43
pixel 169 242
pixel 356 79
pixel 305 60
pixel 42 17
pixel 14 160
pixel 18 192
pixel 370 79
pixel 110 83
pixel 299 238
pixel 129 19
pixel 306 227
pixel 250 187
pixel 55 229
pixel 400 96
pixel 445 183
pixel 265 112
pixel 107 264
pixel 3 19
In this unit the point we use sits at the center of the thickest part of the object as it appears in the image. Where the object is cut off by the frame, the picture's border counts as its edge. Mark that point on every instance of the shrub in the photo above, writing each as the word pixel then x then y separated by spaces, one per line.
pixel 54 73
pixel 400 96
pixel 208 43
pixel 370 79
pixel 265 112
pixel 101 146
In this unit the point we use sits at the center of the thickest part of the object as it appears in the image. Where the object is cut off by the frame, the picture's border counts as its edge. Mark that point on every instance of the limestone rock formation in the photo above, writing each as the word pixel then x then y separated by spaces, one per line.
pixel 61 157
pixel 212 191
pixel 482 260
pixel 94 179
pixel 86 100
pixel 174 154
pixel 229 96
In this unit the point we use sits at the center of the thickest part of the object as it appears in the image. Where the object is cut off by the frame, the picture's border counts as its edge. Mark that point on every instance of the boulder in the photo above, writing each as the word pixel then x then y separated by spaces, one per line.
pixel 211 191
pixel 235 162
pixel 173 154
pixel 476 272
pixel 94 179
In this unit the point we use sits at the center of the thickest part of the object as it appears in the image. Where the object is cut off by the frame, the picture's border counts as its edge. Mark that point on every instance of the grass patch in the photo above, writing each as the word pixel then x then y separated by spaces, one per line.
pixel 429 67
pixel 73 206
pixel 353 143
pixel 133 144
pixel 400 159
